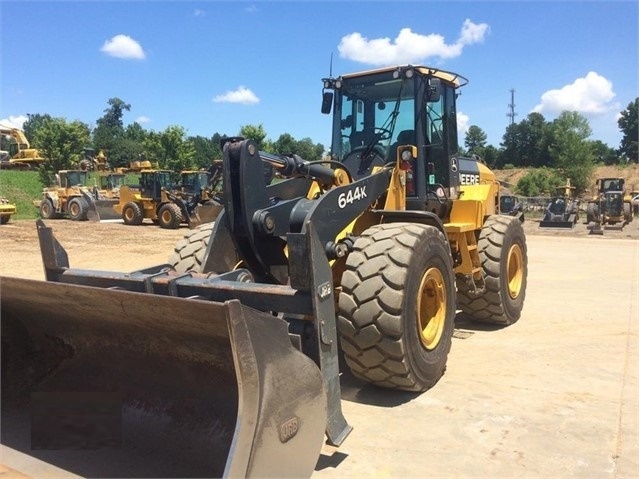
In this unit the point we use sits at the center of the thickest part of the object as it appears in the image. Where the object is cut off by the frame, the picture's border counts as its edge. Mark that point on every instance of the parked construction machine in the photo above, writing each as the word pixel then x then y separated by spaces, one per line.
pixel 225 362
pixel 611 207
pixel 511 205
pixel 563 209
pixel 106 194
pixel 70 196
pixel 17 151
pixel 7 209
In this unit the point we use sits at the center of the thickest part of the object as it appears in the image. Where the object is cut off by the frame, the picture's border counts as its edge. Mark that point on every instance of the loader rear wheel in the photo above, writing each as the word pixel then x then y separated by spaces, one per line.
pixel 170 216
pixel 78 209
pixel 4 219
pixel 397 306
pixel 189 252
pixel 132 214
pixel 47 211
pixel 503 256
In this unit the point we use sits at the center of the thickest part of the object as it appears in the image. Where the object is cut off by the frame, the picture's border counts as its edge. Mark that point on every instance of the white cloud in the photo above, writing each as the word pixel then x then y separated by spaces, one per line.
pixel 463 123
pixel 242 95
pixel 142 119
pixel 123 46
pixel 14 121
pixel 409 47
pixel 199 13
pixel 592 95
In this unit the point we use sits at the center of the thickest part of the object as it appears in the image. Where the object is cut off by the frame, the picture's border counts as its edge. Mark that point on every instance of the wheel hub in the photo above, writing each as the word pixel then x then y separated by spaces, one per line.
pixel 514 269
pixel 431 308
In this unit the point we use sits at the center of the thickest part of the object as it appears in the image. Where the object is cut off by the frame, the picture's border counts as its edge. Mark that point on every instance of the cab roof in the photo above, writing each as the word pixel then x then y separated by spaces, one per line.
pixel 457 80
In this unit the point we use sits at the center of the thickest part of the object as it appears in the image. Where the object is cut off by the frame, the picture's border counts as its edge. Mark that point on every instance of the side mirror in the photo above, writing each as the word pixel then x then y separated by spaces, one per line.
pixel 327 102
pixel 434 90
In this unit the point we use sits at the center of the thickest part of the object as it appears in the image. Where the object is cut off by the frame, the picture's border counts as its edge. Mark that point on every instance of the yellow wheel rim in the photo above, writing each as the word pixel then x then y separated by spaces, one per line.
pixel 129 214
pixel 431 308
pixel 166 216
pixel 74 209
pixel 515 270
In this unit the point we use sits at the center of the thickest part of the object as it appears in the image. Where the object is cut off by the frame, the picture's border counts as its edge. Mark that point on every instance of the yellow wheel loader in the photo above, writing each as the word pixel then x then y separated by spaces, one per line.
pixel 6 210
pixel 69 197
pixel 225 361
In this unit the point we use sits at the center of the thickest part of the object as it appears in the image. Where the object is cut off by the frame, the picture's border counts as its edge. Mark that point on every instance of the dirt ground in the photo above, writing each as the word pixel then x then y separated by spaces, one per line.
pixel 113 246
pixel 554 395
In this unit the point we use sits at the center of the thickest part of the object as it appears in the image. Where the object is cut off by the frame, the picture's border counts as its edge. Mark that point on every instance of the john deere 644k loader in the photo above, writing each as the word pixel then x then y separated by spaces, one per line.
pixel 225 362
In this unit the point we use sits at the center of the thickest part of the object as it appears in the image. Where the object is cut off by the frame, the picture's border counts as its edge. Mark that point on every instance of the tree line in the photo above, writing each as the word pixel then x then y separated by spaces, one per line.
pixel 560 148
pixel 63 143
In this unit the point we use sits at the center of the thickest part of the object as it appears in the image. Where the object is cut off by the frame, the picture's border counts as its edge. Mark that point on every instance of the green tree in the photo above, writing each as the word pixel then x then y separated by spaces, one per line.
pixel 491 156
pixel 284 145
pixel 258 135
pixel 511 147
pixel 629 125
pixel 108 134
pixel 475 141
pixel 535 135
pixel 61 143
pixel 32 125
pixel 170 149
pixel 570 149
pixel 205 150
pixel 538 182
pixel 603 154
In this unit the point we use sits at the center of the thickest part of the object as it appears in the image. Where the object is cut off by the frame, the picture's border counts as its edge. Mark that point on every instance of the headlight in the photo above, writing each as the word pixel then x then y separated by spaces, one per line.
pixel 406 155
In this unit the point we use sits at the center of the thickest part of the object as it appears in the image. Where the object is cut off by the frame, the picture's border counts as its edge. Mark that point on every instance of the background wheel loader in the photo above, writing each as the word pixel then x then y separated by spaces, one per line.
pixel 225 362
pixel 6 210
pixel 563 209
pixel 611 206
pixel 149 200
pixel 70 197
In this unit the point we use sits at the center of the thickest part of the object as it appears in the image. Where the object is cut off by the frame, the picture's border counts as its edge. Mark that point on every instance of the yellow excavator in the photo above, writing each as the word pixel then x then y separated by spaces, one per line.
pixel 224 361
pixel 18 153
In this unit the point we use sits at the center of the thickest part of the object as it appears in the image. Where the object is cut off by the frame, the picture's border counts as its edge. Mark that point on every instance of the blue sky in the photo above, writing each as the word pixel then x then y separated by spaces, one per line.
pixel 215 66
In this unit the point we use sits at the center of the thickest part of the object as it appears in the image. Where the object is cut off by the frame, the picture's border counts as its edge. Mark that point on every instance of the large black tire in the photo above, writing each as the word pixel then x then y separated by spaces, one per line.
pixel 132 214
pixel 188 253
pixel 397 306
pixel 504 260
pixel 78 209
pixel 4 219
pixel 47 211
pixel 170 216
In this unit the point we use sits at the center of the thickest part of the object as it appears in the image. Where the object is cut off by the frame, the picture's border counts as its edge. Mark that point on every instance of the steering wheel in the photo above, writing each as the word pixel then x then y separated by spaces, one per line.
pixel 381 133
pixel 360 167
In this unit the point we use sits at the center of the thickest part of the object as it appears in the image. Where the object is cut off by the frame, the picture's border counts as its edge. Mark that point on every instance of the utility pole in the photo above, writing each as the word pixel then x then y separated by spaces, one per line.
pixel 511 107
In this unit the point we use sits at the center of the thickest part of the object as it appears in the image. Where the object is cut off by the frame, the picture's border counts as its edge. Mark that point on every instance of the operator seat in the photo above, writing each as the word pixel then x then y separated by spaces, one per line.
pixel 405 137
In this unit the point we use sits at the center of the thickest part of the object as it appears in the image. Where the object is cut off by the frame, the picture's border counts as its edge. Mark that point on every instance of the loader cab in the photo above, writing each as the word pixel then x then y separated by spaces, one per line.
pixel 112 181
pixel 376 112
pixel 152 182
pixel 194 181
pixel 71 178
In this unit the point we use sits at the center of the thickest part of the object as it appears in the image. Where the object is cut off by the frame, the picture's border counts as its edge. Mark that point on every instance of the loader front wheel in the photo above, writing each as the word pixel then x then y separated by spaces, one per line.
pixel 189 252
pixel 78 209
pixel 503 256
pixel 397 306
pixel 132 214
pixel 47 211
pixel 170 216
